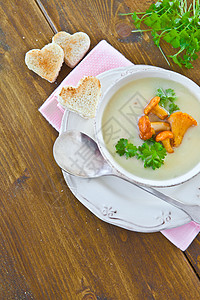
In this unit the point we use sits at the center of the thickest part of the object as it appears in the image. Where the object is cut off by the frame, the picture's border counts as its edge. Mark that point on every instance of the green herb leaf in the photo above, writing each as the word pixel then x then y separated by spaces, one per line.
pixel 153 21
pixel 173 107
pixel 150 152
pixel 173 38
pixel 136 20
pixel 121 146
pixel 167 99
pixel 170 94
pixel 176 60
pixel 156 38
pixel 160 93
pixel 177 23
pixel 184 39
pixel 131 150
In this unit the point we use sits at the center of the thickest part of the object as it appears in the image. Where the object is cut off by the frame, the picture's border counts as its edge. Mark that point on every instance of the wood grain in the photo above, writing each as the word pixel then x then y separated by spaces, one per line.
pixel 101 20
pixel 116 29
pixel 193 255
pixel 52 247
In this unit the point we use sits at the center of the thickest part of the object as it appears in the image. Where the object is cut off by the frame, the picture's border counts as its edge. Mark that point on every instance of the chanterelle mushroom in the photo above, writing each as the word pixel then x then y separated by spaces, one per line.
pixel 146 131
pixel 165 137
pixel 156 109
pixel 180 122
pixel 160 126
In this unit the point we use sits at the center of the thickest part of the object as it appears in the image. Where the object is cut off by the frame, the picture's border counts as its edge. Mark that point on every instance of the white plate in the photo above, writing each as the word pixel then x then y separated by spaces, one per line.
pixel 118 202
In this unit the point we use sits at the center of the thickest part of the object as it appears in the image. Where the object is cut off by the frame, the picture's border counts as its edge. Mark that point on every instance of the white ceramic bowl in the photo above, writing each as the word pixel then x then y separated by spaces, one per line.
pixel 131 74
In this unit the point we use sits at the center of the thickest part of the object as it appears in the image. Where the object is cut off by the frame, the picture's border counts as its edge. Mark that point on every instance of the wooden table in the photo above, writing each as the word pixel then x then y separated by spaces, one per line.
pixel 52 247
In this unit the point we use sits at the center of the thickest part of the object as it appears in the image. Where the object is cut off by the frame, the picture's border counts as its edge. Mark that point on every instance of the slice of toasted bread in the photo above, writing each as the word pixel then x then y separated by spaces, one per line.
pixel 82 99
pixel 75 46
pixel 46 62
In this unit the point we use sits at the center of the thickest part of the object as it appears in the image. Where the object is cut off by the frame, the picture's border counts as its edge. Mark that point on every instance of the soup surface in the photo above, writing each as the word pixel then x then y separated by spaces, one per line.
pixel 120 120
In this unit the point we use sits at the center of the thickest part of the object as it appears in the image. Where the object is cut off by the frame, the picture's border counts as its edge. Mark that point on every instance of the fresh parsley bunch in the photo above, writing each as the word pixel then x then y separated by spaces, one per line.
pixel 167 99
pixel 176 23
pixel 150 152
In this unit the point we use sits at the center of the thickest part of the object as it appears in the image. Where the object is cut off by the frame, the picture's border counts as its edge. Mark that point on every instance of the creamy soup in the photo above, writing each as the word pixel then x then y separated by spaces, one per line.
pixel 120 120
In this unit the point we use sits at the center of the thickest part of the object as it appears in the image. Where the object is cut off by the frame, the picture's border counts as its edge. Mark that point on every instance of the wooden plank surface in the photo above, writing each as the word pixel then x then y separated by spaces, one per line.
pixel 193 255
pixel 116 29
pixel 101 20
pixel 52 247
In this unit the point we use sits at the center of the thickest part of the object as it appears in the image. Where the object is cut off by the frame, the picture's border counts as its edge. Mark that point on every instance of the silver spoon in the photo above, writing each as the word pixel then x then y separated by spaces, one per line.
pixel 79 155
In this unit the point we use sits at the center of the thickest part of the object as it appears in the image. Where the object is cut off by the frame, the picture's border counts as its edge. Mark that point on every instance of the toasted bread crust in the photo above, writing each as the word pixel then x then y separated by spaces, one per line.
pixel 74 46
pixel 46 62
pixel 84 98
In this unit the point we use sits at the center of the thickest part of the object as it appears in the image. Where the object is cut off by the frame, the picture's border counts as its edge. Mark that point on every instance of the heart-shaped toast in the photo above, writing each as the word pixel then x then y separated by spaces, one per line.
pixel 46 62
pixel 74 46
pixel 82 99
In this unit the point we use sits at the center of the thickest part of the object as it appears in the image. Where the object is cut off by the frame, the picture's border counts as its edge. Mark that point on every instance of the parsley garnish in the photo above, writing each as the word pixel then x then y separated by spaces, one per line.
pixel 167 99
pixel 123 147
pixel 175 22
pixel 150 152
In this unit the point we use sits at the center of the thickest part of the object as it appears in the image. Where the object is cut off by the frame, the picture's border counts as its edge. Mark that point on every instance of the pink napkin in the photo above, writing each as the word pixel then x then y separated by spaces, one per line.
pixel 101 58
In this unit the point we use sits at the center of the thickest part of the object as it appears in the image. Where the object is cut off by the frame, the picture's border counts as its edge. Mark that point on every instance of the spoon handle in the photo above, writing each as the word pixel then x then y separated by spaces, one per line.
pixel 190 209
pixel 193 211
